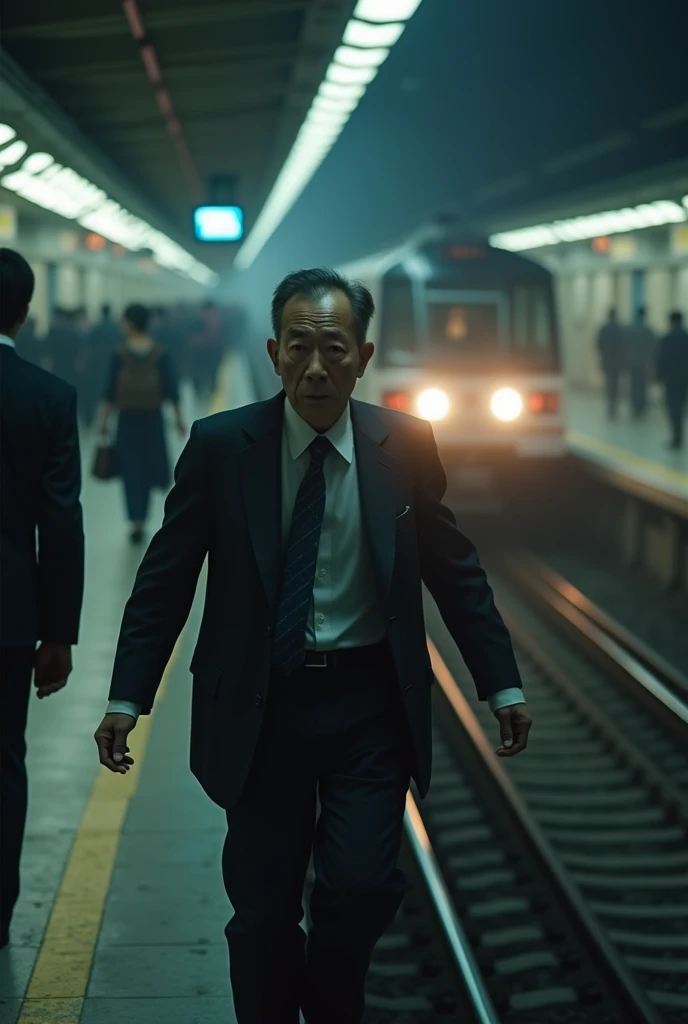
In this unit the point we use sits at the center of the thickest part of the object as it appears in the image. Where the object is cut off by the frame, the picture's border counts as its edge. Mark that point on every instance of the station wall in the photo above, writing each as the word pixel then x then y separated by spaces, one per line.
pixel 69 275
pixel 589 283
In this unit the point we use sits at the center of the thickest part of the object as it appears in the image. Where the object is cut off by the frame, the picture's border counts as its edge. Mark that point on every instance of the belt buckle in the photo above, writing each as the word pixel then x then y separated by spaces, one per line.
pixel 321 659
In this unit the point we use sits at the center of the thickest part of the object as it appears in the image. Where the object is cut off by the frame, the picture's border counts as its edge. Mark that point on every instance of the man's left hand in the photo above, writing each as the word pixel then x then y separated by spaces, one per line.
pixel 514 726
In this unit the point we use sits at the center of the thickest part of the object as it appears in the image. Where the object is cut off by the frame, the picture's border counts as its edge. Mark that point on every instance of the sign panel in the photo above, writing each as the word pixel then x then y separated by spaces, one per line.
pixel 218 223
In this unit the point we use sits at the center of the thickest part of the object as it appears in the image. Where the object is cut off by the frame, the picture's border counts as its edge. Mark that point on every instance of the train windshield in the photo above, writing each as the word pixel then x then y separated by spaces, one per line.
pixel 506 326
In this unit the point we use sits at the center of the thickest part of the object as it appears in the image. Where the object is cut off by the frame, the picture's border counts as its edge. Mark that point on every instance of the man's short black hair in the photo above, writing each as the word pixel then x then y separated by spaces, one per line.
pixel 676 318
pixel 16 289
pixel 138 316
pixel 315 283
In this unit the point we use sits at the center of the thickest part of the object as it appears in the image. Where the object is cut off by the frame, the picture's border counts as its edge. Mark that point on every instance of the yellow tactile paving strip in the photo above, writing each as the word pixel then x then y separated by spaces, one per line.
pixel 60 977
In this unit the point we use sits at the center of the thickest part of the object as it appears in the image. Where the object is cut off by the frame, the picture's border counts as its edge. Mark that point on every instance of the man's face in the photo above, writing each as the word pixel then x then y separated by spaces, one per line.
pixel 318 357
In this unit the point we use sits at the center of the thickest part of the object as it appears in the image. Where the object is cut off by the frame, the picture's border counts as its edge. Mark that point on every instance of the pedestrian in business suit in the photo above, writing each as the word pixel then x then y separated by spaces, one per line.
pixel 321 516
pixel 40 593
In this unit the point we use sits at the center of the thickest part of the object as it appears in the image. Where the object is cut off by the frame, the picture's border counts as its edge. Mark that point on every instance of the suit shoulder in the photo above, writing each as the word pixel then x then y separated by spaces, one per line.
pixel 233 421
pixel 42 382
pixel 401 422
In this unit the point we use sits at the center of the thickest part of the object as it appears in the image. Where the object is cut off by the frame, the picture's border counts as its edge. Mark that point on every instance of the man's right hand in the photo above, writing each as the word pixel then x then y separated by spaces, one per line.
pixel 52 667
pixel 111 739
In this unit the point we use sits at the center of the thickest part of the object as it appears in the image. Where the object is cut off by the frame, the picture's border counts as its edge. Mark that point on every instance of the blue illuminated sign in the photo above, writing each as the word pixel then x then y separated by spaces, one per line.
pixel 219 223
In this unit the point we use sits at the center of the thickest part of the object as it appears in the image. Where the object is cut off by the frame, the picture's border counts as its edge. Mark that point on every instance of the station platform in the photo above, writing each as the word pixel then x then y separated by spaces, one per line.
pixel 122 909
pixel 630 454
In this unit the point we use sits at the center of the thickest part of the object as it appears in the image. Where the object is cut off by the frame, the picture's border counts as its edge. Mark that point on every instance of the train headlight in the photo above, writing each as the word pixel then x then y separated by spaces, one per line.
pixel 433 404
pixel 506 404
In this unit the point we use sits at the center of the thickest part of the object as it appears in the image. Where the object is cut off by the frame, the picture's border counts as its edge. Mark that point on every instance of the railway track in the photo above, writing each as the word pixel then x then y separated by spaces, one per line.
pixel 568 865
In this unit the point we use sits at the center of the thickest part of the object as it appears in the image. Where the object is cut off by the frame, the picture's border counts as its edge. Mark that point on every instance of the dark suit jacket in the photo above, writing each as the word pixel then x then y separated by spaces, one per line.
pixel 40 480
pixel 226 502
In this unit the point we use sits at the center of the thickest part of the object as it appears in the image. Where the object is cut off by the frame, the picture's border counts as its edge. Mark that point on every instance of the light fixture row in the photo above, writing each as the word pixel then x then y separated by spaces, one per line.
pixel 593 225
pixel 39 179
pixel 375 27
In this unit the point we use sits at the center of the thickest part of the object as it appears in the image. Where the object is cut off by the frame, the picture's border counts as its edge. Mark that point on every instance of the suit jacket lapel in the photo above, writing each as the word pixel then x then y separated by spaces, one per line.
pixel 378 488
pixel 261 485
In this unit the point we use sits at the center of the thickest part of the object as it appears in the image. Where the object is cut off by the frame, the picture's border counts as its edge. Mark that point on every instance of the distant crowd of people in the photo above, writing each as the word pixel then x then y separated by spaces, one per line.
pixel 131 366
pixel 195 338
pixel 634 352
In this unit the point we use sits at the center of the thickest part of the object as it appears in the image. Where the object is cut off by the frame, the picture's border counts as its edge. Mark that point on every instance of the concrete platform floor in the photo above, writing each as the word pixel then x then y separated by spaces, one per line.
pixel 635 447
pixel 122 910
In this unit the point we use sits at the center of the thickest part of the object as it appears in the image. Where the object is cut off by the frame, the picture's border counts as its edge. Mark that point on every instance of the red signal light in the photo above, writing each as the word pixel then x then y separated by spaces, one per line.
pixel 399 400
pixel 543 401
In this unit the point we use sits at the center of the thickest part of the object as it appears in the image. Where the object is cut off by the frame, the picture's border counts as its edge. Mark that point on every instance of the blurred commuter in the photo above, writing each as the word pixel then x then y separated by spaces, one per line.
pixel 101 342
pixel 41 584
pixel 28 344
pixel 672 371
pixel 141 378
pixel 611 347
pixel 640 352
pixel 63 347
pixel 207 349
pixel 166 332
pixel 320 517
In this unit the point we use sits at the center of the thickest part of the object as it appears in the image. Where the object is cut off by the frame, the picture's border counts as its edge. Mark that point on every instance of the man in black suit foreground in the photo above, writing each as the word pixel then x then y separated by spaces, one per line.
pixel 321 517
pixel 40 591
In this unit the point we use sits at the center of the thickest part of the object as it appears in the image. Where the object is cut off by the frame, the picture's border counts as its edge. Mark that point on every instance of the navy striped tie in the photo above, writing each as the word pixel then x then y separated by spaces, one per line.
pixel 299 569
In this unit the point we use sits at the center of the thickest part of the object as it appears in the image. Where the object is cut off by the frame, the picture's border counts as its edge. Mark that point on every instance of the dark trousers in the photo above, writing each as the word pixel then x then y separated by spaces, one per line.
pixel 638 383
pixel 137 491
pixel 16 665
pixel 676 408
pixel 612 379
pixel 337 737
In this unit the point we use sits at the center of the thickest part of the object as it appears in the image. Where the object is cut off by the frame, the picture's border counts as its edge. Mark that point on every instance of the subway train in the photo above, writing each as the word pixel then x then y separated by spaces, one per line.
pixel 466 337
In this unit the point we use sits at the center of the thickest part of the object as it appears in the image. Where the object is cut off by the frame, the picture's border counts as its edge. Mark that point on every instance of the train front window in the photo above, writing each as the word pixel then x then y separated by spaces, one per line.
pixel 464 326
pixel 509 326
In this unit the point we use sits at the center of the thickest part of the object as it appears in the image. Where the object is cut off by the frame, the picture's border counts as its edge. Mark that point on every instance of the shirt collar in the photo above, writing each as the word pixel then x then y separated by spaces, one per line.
pixel 4 340
pixel 300 434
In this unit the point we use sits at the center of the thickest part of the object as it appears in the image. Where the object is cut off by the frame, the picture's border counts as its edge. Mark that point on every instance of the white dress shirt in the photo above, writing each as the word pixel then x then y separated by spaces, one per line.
pixel 5 340
pixel 344 611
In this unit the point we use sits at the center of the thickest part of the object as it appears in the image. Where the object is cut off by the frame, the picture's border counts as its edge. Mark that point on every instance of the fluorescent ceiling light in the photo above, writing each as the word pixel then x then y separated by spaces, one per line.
pixel 327 118
pixel 42 181
pixel 327 103
pixel 608 222
pixel 6 134
pixel 386 10
pixel 344 76
pixel 364 48
pixel 336 91
pixel 12 154
pixel 358 33
pixel 38 162
pixel 352 57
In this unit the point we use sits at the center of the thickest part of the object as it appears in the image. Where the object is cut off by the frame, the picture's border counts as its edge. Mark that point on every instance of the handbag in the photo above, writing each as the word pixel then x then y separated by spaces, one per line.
pixel 105 462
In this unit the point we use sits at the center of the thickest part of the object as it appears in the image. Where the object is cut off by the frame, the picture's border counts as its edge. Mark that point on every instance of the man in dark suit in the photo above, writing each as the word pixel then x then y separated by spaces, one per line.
pixel 40 591
pixel 321 516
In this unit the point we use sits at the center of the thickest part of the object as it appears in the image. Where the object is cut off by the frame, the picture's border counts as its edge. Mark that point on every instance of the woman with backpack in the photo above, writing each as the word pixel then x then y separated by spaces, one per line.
pixel 140 379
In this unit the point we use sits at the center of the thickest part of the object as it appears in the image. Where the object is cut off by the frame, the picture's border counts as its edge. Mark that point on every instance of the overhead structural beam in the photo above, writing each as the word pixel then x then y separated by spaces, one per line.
pixel 150 62
pixel 230 58
pixel 111 24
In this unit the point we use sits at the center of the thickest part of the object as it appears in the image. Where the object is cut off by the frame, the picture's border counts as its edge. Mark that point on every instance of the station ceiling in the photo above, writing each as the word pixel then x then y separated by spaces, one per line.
pixel 487 106
pixel 240 75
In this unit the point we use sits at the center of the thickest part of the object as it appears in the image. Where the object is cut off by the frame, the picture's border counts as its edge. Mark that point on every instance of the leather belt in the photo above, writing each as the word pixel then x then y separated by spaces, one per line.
pixel 344 657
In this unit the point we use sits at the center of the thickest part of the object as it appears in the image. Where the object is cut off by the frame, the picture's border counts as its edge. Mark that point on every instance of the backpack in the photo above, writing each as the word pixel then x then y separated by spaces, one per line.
pixel 139 381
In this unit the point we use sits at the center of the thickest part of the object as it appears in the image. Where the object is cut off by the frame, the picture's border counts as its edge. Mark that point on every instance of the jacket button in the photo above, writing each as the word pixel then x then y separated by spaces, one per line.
pixel 268 630
pixel 259 701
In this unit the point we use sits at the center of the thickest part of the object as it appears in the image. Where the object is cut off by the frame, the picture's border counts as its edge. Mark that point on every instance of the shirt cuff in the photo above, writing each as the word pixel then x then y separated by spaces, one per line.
pixel 505 698
pixel 123 707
